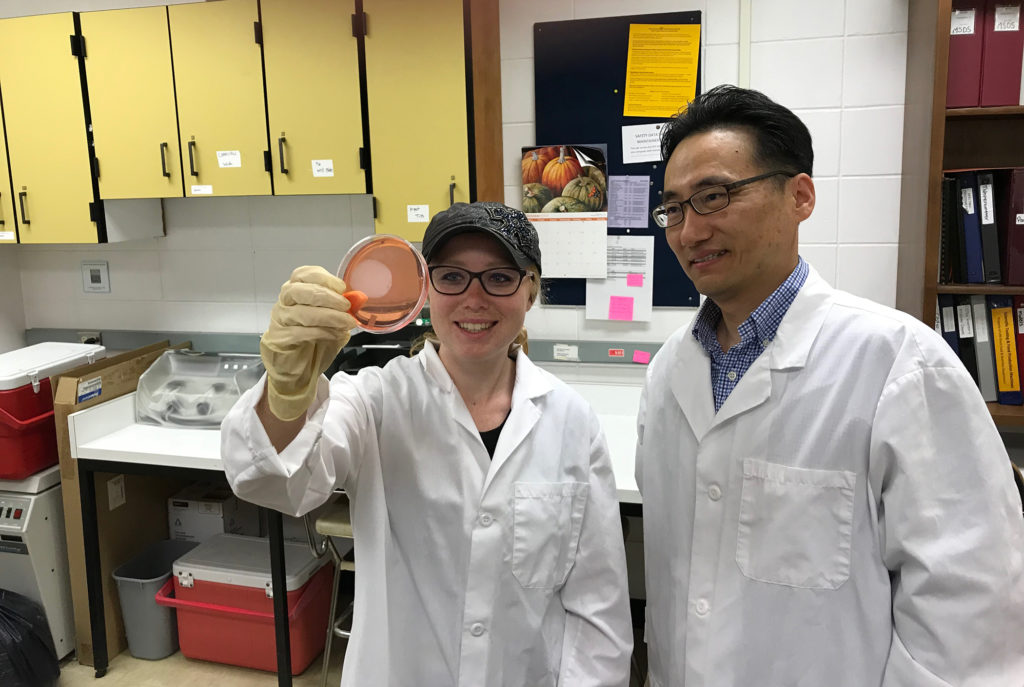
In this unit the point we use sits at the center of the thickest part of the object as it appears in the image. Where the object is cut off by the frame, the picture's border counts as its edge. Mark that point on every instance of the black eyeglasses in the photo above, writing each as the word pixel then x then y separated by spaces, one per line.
pixel 704 201
pixel 500 281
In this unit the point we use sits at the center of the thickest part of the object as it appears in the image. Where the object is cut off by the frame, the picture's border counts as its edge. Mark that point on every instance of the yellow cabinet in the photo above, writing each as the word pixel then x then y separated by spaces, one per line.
pixel 8 232
pixel 45 121
pixel 416 94
pixel 312 81
pixel 131 97
pixel 218 76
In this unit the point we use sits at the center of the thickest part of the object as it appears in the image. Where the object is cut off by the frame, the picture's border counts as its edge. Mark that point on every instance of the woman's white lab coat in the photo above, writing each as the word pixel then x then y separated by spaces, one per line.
pixel 469 571
pixel 848 517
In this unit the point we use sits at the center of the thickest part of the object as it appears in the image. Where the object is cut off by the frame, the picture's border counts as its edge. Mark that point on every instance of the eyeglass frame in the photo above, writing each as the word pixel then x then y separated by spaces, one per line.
pixel 477 275
pixel 728 197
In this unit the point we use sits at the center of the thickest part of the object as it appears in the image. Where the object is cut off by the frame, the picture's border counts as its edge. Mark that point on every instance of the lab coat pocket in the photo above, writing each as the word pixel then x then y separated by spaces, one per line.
pixel 795 525
pixel 547 518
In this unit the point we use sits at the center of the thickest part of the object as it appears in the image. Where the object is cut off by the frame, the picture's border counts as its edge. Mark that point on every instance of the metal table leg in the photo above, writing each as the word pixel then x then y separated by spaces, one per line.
pixel 93 573
pixel 280 590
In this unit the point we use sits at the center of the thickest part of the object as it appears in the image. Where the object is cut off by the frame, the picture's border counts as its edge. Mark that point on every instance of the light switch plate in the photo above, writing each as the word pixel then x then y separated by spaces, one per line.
pixel 95 276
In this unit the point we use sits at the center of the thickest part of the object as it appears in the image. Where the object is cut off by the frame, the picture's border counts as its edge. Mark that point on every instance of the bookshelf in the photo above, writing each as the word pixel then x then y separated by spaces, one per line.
pixel 934 140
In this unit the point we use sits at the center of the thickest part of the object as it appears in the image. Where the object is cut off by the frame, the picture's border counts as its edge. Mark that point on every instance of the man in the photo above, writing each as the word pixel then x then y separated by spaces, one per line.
pixel 827 502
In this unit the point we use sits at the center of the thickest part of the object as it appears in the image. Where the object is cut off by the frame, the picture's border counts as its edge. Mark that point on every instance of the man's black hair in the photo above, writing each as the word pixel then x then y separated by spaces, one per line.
pixel 782 141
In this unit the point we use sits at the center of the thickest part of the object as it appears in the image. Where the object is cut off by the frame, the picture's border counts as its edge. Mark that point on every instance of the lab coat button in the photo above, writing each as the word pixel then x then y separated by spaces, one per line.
pixel 714 492
pixel 731 375
pixel 703 607
pixel 476 629
pixel 486 520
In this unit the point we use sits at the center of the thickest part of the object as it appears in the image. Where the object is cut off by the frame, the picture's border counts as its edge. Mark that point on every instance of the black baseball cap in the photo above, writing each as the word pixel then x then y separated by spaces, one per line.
pixel 508 225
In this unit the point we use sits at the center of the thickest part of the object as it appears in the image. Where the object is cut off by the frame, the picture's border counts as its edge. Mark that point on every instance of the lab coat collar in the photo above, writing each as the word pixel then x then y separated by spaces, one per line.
pixel 691 375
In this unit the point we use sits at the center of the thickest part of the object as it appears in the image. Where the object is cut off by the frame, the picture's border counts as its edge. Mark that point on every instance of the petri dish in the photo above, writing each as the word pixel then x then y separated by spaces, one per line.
pixel 393 275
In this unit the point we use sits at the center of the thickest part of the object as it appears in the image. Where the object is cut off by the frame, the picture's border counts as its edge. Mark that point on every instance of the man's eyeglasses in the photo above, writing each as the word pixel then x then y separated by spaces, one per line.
pixel 704 201
pixel 500 281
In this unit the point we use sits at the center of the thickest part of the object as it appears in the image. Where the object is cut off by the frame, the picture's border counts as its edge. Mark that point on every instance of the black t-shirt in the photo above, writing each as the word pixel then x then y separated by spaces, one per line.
pixel 490 437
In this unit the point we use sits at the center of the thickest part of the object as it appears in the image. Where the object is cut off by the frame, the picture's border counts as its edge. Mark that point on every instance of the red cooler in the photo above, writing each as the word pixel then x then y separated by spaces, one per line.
pixel 225 610
pixel 28 442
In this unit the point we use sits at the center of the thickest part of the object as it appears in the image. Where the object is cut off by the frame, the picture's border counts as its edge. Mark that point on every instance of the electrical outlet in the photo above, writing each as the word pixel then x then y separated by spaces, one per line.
pixel 90 337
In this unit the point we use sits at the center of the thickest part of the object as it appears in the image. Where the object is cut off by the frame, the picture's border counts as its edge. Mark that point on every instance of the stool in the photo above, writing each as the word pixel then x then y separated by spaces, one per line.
pixel 332 521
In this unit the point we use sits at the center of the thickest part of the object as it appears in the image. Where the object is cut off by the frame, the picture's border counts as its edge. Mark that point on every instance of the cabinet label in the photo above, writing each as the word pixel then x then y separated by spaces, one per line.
pixel 961 23
pixel 9 235
pixel 229 158
pixel 567 352
pixel 323 168
pixel 418 213
pixel 202 190
pixel 1007 18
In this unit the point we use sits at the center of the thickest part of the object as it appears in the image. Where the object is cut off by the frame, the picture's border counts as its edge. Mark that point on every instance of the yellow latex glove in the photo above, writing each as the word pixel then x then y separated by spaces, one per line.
pixel 309 325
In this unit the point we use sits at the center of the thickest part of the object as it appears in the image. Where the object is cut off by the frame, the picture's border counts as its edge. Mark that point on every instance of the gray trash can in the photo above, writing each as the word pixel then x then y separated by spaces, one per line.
pixel 152 630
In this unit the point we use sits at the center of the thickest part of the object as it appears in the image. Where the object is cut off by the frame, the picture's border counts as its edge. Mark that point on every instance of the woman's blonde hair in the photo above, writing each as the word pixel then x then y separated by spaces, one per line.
pixel 521 338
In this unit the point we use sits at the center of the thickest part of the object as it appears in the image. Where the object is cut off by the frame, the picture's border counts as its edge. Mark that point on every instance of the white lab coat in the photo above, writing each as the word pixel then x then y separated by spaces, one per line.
pixel 469 571
pixel 847 519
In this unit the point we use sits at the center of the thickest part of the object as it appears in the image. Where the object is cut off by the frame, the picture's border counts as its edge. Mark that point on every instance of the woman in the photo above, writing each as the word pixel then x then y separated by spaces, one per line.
pixel 487 537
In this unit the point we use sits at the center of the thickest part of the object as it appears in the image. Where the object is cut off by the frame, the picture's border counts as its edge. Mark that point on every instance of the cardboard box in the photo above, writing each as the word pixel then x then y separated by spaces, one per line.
pixel 129 527
pixel 202 510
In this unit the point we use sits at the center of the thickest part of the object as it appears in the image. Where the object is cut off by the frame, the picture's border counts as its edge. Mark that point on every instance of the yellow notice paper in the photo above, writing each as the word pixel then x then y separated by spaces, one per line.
pixel 661 69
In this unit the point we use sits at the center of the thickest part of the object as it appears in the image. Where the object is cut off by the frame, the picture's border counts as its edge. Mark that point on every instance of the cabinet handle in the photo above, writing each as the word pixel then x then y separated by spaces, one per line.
pixel 24 210
pixel 163 159
pixel 280 153
pixel 451 194
pixel 192 159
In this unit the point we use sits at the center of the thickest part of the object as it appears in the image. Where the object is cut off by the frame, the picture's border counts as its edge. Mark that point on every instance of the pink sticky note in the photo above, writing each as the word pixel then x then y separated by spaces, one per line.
pixel 620 308
pixel 634 280
pixel 642 357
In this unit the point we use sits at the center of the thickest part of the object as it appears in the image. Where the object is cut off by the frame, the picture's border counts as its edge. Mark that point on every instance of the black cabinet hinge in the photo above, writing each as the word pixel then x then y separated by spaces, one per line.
pixel 257 30
pixel 96 167
pixel 78 45
pixel 95 212
pixel 374 199
pixel 268 162
pixel 364 158
pixel 359 24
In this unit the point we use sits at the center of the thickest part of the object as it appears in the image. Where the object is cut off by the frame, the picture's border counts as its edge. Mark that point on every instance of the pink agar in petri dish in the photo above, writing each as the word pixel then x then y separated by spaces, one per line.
pixel 393 275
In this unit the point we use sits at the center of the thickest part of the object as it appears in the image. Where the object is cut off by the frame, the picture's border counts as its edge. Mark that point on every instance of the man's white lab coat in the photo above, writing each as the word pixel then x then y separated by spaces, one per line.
pixel 469 571
pixel 847 519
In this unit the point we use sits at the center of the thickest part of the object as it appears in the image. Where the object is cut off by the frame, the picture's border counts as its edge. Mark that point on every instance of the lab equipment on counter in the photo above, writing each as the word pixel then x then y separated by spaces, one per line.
pixel 189 389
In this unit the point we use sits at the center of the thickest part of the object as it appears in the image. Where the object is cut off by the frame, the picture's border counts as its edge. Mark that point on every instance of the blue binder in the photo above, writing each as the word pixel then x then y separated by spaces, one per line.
pixel 947 318
pixel 967 190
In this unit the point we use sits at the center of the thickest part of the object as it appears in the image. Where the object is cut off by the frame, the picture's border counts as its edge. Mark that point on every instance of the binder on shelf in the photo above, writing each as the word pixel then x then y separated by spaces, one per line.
pixel 1018 311
pixel 1010 215
pixel 952 260
pixel 965 334
pixel 983 348
pixel 967 184
pixel 1002 53
pixel 1004 345
pixel 966 37
pixel 989 230
pixel 947 313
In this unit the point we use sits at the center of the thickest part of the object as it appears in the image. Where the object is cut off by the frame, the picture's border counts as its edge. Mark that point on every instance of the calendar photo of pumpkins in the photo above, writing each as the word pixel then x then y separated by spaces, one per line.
pixel 565 178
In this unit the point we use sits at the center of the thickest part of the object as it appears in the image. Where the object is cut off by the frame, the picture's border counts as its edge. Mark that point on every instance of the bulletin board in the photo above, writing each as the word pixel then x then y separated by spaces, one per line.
pixel 579 82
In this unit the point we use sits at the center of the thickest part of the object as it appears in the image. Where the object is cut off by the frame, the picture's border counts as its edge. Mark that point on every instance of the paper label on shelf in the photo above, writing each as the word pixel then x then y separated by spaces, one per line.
pixel 981 322
pixel 9 235
pixel 229 158
pixel 567 352
pixel 1020 218
pixel 89 388
pixel 202 190
pixel 963 317
pixel 1007 18
pixel 418 213
pixel 967 200
pixel 323 168
pixel 961 23
pixel 948 323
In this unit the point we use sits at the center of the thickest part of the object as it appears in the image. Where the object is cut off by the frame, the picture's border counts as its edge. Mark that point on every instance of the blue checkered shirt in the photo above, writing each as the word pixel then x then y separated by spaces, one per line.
pixel 756 332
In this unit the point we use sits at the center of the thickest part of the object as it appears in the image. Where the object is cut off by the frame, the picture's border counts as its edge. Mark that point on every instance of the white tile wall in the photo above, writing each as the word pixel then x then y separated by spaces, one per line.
pixel 839 63
pixel 12 308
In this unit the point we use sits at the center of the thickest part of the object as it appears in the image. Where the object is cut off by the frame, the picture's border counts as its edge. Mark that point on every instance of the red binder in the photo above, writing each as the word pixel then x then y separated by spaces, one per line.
pixel 1011 214
pixel 966 35
pixel 1018 329
pixel 1002 53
